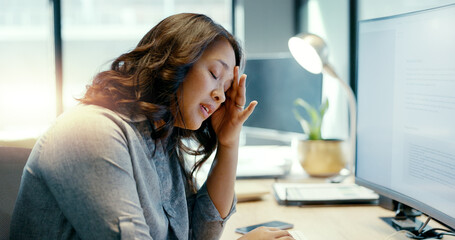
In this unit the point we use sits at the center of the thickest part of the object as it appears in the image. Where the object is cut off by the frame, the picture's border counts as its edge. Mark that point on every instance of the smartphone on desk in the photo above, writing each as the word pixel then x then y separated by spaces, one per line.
pixel 276 224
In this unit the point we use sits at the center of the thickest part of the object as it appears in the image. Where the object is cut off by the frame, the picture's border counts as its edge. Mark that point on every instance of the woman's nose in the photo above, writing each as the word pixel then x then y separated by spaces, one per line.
pixel 218 95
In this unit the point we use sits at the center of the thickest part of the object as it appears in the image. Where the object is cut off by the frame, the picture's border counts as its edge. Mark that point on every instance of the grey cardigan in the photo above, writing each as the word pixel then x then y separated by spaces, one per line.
pixel 94 175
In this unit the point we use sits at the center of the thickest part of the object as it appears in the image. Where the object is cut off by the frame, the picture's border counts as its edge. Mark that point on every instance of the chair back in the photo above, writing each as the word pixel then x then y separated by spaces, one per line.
pixel 12 162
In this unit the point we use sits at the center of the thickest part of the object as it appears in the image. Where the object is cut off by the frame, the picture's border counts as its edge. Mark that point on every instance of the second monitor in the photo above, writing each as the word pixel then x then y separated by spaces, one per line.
pixel 275 83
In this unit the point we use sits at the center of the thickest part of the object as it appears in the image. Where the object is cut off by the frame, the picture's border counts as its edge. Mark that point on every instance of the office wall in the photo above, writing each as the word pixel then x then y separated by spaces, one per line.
pixel 330 20
pixel 264 26
pixel 368 9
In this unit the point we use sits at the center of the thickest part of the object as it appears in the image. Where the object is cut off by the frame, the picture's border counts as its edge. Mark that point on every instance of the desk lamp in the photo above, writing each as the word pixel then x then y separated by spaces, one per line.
pixel 311 52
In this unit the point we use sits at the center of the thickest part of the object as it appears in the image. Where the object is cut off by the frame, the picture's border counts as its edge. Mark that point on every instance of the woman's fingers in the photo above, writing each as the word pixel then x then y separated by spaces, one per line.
pixel 276 233
pixel 236 96
pixel 282 235
pixel 232 93
pixel 248 111
pixel 237 92
pixel 267 233
pixel 240 98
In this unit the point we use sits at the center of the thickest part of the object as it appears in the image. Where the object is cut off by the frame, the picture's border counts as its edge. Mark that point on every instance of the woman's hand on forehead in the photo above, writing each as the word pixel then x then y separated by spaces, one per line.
pixel 229 118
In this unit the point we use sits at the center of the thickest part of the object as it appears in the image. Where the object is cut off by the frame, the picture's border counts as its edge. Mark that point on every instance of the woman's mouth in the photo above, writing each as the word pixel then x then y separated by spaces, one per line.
pixel 205 111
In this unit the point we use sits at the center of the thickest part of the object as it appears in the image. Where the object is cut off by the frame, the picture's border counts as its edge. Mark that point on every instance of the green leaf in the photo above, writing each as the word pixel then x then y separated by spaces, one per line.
pixel 313 113
pixel 304 123
pixel 313 127
pixel 323 108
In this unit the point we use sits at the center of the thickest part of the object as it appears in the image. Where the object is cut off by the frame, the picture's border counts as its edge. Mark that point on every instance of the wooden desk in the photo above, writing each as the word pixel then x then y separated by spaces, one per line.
pixel 343 222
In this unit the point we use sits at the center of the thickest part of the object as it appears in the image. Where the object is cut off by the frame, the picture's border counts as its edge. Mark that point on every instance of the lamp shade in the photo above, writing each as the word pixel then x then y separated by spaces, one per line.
pixel 310 51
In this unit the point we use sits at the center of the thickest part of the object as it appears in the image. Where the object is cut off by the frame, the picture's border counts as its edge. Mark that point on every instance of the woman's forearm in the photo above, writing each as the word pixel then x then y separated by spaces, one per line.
pixel 221 180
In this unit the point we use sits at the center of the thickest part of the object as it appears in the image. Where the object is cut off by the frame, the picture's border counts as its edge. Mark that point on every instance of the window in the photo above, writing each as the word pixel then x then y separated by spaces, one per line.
pixel 27 82
pixel 94 32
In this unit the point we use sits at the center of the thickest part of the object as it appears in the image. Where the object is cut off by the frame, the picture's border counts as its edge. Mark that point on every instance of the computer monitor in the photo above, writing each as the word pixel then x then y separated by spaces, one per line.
pixel 275 82
pixel 406 109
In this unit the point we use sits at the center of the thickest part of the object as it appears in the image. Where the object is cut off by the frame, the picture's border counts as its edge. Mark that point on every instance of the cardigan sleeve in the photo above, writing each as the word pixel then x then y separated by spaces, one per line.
pixel 206 222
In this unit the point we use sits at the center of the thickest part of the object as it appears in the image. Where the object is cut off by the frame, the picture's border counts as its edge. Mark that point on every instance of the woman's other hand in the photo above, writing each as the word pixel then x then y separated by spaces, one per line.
pixel 229 118
pixel 265 233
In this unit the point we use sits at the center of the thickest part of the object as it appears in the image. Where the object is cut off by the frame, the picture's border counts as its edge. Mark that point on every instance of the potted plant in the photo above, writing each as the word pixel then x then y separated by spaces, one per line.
pixel 319 157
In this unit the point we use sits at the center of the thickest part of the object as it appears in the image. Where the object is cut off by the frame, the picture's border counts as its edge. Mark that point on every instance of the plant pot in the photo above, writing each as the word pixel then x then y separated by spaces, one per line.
pixel 321 158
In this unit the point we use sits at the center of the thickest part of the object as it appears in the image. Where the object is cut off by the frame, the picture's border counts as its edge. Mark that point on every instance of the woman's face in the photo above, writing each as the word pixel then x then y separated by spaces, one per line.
pixel 204 87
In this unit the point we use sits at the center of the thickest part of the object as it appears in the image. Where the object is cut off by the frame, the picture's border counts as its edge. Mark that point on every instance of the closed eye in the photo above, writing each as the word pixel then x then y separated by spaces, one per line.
pixel 213 75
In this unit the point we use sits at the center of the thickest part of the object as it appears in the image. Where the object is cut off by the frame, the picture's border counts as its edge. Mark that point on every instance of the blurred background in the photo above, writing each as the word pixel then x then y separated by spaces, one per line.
pixel 50 51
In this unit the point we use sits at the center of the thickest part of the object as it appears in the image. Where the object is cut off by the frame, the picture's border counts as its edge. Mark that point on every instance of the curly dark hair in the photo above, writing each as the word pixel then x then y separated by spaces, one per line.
pixel 145 81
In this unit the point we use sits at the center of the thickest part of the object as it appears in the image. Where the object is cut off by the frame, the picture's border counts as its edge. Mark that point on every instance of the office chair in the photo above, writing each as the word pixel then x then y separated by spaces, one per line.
pixel 12 162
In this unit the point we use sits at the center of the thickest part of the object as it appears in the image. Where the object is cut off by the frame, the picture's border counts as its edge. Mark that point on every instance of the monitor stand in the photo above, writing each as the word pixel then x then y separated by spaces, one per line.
pixel 405 219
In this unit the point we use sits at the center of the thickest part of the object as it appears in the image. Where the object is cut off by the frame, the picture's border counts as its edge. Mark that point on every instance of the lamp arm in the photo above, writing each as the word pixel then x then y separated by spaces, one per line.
pixel 352 114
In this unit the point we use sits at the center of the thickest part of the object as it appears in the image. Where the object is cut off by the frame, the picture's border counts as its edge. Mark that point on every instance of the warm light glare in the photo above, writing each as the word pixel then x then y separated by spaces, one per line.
pixel 305 55
pixel 25 111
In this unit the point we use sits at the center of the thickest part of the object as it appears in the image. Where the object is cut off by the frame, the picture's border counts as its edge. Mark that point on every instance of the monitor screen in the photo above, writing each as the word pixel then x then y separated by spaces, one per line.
pixel 406 109
pixel 275 82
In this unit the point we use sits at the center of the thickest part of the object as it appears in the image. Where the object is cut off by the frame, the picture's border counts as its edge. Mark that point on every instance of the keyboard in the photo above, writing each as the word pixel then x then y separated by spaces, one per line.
pixel 322 193
pixel 297 235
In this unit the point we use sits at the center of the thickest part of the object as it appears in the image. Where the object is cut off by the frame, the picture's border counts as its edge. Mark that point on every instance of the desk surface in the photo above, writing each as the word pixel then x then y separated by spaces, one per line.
pixel 343 222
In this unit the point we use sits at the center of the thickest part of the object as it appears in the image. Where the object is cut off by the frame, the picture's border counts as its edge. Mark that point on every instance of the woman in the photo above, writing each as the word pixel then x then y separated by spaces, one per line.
pixel 114 166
